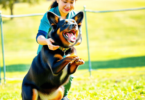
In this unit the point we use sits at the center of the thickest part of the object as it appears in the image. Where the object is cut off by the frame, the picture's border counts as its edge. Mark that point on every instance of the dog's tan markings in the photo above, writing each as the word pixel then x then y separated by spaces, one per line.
pixel 55 95
pixel 35 94
pixel 79 42
pixel 73 21
pixel 52 24
pixel 73 67
pixel 63 39
pixel 77 33
pixel 60 34
pixel 58 31
pixel 79 23
pixel 58 56
pixel 56 19
pixel 60 94
pixel 76 18
pixel 66 21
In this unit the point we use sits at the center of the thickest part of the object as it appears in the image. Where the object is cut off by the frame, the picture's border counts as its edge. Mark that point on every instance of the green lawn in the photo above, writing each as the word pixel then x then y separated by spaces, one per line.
pixel 104 84
pixel 116 41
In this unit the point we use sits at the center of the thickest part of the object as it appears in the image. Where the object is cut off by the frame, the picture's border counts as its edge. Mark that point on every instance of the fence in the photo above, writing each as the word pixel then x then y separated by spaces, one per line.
pixel 86 25
pixel 2 38
pixel 85 10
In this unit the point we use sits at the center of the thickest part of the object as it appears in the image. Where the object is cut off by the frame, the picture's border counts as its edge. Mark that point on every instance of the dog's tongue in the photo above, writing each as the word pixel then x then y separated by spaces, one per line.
pixel 71 37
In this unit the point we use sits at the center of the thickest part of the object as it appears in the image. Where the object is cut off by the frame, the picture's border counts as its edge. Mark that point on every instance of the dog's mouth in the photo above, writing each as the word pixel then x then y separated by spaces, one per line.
pixel 70 36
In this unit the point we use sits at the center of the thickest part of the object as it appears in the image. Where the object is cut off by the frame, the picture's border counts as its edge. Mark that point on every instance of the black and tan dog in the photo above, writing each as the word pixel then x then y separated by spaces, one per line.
pixel 50 70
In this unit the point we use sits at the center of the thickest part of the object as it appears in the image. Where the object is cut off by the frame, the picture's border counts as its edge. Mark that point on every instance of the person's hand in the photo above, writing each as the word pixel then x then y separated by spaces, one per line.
pixel 50 45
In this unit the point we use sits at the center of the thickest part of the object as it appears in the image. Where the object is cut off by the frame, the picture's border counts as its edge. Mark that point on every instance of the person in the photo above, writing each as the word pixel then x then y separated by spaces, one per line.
pixel 64 9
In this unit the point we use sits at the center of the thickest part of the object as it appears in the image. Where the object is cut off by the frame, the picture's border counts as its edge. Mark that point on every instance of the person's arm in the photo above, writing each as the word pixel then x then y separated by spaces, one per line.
pixel 42 32
pixel 43 41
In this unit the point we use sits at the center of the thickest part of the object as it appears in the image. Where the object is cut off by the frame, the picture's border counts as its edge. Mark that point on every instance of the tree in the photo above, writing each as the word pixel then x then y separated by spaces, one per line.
pixel 10 4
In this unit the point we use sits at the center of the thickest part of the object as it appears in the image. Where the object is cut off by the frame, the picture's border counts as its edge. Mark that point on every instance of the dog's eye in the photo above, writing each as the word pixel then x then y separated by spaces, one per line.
pixel 73 21
pixel 65 23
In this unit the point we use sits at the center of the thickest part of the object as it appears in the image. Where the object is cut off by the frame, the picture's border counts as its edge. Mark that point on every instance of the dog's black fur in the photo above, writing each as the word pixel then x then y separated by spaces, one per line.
pixel 47 69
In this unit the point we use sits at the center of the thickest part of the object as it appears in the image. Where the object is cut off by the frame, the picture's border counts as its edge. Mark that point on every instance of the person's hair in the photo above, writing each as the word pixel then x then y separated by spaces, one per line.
pixel 54 4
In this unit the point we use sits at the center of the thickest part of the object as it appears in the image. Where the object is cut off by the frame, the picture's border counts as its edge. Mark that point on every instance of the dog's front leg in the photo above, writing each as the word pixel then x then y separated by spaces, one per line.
pixel 28 92
pixel 74 65
pixel 34 94
pixel 59 66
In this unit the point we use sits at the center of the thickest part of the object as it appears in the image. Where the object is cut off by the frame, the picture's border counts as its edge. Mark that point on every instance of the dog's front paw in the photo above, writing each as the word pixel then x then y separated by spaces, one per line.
pixel 75 64
pixel 71 58
pixel 79 61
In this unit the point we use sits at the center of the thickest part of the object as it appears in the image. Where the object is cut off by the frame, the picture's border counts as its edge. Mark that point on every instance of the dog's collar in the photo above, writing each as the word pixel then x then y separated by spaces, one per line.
pixel 63 49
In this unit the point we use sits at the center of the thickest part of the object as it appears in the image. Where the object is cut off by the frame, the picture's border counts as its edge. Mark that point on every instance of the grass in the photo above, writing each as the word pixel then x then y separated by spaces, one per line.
pixel 110 84
pixel 104 84
pixel 116 41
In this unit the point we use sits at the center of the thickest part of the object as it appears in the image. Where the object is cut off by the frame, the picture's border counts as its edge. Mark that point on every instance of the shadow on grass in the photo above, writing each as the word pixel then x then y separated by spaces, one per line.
pixel 116 63
pixel 16 68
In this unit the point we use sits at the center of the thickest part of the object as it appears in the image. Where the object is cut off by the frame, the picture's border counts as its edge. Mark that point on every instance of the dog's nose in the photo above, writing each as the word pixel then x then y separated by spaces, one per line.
pixel 74 25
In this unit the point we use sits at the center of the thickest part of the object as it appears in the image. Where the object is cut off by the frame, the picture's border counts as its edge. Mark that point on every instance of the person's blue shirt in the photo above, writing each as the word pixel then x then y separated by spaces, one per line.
pixel 45 27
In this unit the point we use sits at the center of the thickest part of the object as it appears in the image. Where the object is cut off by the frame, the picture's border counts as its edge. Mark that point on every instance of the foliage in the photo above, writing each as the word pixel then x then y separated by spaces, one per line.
pixel 10 3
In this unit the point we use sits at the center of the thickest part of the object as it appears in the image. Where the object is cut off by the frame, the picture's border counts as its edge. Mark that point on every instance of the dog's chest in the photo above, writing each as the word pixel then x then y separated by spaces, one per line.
pixel 64 73
pixel 56 95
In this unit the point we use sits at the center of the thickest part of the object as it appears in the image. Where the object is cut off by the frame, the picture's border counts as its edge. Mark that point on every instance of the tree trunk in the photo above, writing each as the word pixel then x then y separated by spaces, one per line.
pixel 11 8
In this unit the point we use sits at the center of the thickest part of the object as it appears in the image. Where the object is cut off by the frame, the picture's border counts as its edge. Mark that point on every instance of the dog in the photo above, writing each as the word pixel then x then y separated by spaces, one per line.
pixel 50 70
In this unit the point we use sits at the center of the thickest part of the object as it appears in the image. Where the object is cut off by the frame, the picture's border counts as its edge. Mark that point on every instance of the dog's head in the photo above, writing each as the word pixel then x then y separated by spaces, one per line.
pixel 65 31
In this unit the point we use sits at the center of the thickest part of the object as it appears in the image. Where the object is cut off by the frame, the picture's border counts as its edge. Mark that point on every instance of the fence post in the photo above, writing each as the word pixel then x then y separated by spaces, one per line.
pixel 87 36
pixel 0 61
pixel 2 41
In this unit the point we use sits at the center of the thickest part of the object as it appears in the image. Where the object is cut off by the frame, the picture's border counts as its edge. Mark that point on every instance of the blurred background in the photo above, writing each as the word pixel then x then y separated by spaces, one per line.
pixel 116 39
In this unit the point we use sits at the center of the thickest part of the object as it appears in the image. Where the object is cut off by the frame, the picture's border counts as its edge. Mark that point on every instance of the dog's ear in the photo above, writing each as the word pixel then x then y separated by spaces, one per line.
pixel 79 17
pixel 52 18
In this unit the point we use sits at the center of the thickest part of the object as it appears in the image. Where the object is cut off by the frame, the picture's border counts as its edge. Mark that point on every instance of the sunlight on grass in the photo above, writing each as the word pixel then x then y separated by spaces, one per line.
pixel 106 84
pixel 111 84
